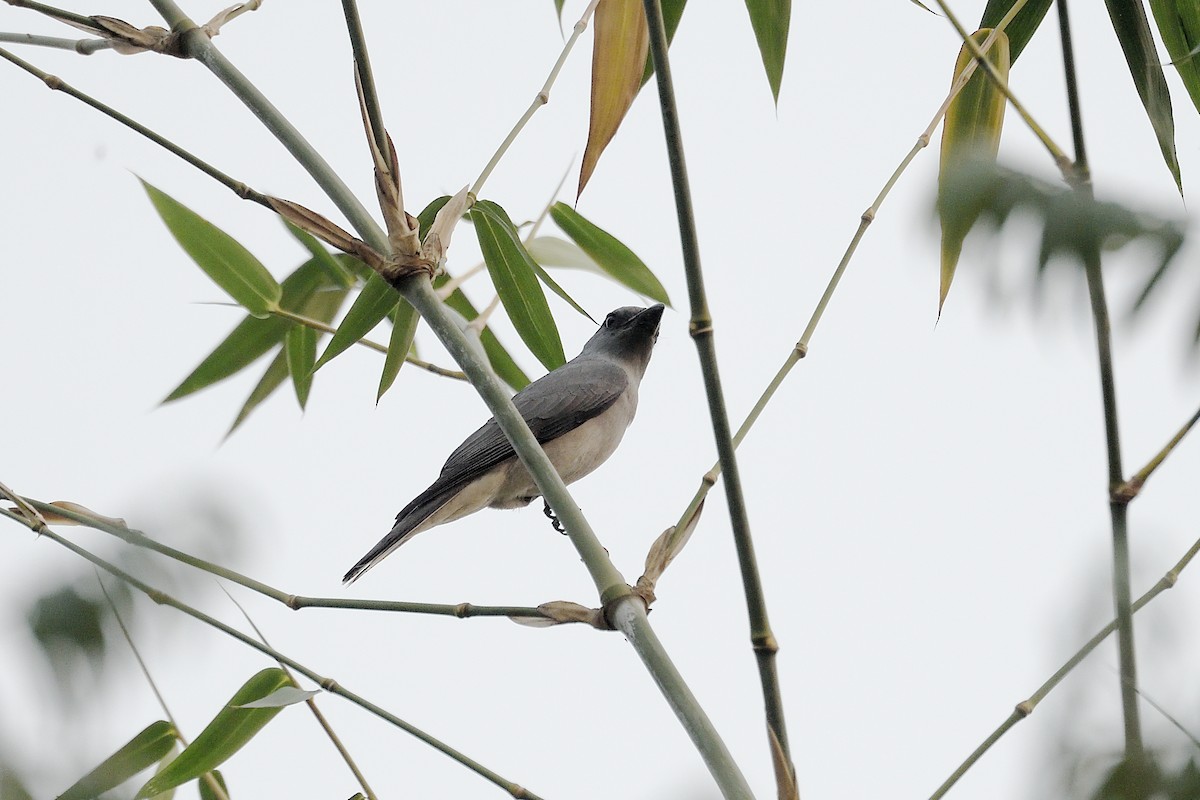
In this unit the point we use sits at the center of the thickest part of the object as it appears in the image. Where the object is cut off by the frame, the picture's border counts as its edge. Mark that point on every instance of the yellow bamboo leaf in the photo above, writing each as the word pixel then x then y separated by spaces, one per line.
pixel 970 135
pixel 618 60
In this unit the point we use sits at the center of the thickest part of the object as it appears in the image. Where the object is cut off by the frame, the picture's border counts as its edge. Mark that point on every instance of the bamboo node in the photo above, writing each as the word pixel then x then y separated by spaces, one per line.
pixel 1024 708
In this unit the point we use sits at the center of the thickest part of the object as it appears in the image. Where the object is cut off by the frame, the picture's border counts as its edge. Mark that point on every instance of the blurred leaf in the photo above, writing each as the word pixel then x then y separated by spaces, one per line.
pixel 551 251
pixel 770 20
pixel 1023 25
pixel 223 258
pixel 66 625
pixel 618 60
pixel 253 337
pixel 143 750
pixel 206 793
pixel 672 11
pixel 1072 225
pixel 613 257
pixel 404 329
pixel 1131 779
pixel 11 786
pixel 1185 785
pixel 558 7
pixel 1133 31
pixel 513 276
pixel 300 349
pixel 373 303
pixel 272 379
pixel 971 132
pixel 228 732
pixel 1179 26
pixel 337 272
pixel 282 697
pixel 502 362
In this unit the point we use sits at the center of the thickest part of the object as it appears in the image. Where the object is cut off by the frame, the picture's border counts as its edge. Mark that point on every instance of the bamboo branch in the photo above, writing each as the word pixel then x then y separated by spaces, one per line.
pixel 328 684
pixel 1026 707
pixel 54 13
pixel 55 83
pixel 85 47
pixel 1081 181
pixel 762 638
pixel 292 601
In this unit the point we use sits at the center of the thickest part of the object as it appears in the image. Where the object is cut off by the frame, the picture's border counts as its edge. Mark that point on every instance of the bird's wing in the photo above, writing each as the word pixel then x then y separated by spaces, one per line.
pixel 553 405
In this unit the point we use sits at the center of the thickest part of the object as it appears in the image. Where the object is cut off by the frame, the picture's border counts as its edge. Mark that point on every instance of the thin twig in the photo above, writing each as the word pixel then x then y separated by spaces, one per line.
pixel 325 327
pixel 54 13
pixel 1130 488
pixel 762 638
pixel 85 47
pixel 362 64
pixel 1081 181
pixel 328 684
pixel 57 84
pixel 539 100
pixel 312 706
pixel 294 602
pixel 1026 707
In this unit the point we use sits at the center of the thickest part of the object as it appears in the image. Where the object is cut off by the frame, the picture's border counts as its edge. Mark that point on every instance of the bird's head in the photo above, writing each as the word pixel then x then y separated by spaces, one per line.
pixel 627 335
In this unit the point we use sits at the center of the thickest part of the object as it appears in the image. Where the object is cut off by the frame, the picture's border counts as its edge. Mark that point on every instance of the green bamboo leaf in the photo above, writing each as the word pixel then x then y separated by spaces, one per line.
pixel 147 748
pixel 516 282
pixel 770 20
pixel 970 135
pixel 338 273
pixel 300 349
pixel 373 303
pixel 613 257
pixel 253 337
pixel 1023 25
pixel 1133 31
pixel 672 11
pixel 272 379
pixel 430 212
pixel 510 230
pixel 558 7
pixel 223 258
pixel 228 732
pixel 169 794
pixel 404 329
pixel 206 792
pixel 502 362
pixel 620 43
pixel 1179 26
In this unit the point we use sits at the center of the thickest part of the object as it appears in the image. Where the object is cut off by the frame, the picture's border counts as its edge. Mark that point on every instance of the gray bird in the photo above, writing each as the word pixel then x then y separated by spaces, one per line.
pixel 578 413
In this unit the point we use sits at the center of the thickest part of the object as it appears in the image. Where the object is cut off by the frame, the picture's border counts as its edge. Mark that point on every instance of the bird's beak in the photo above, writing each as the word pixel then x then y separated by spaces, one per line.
pixel 649 318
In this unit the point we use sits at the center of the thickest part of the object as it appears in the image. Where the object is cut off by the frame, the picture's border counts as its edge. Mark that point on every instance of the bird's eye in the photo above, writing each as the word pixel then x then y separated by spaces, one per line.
pixel 608 321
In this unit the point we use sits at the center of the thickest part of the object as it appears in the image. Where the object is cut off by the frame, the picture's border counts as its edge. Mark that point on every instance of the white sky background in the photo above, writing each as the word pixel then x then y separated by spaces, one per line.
pixel 927 500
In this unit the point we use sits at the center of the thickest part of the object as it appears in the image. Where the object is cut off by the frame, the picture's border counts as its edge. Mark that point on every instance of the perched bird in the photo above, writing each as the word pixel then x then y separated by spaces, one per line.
pixel 578 413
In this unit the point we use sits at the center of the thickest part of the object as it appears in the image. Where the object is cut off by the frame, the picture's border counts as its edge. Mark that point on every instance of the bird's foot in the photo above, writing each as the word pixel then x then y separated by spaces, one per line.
pixel 549 512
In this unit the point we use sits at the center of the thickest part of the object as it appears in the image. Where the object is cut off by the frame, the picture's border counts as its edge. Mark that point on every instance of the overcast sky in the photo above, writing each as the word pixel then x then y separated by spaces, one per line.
pixel 927 497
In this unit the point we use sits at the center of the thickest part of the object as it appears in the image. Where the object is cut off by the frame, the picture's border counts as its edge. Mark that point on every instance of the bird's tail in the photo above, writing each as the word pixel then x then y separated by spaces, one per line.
pixel 407 525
